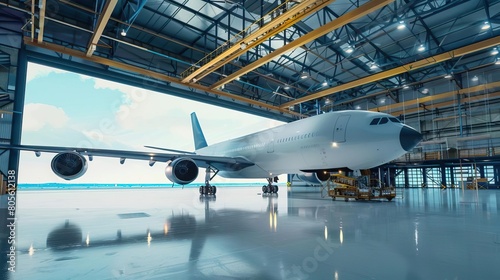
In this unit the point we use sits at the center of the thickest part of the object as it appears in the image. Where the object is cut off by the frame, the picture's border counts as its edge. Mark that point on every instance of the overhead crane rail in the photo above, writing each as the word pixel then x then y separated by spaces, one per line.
pixel 282 17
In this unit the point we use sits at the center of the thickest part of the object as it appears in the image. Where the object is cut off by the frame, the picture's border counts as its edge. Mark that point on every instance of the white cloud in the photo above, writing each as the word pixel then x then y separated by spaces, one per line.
pixel 38 71
pixel 43 115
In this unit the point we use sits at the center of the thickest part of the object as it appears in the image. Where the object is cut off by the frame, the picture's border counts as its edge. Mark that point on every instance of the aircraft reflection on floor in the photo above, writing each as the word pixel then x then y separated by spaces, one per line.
pixel 69 235
pixel 229 224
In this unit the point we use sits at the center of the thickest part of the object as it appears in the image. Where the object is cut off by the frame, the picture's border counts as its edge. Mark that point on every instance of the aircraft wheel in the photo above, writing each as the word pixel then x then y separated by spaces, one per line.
pixel 201 189
pixel 264 189
pixel 214 189
pixel 275 189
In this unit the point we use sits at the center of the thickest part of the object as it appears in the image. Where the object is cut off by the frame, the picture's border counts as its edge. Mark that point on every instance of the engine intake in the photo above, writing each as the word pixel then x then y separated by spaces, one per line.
pixel 181 171
pixel 317 177
pixel 69 165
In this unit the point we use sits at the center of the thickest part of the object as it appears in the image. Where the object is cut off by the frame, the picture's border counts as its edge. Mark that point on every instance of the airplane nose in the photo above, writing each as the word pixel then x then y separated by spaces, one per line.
pixel 409 138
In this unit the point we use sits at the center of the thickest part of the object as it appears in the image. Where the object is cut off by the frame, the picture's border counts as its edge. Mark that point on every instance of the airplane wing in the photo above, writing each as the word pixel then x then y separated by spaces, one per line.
pixel 218 162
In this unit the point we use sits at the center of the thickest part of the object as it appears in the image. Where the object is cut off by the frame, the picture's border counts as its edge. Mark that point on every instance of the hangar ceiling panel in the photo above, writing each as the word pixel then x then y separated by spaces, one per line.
pixel 285 58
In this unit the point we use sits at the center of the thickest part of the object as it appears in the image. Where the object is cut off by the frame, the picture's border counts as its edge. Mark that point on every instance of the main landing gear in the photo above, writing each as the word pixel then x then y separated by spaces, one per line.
pixel 270 188
pixel 208 189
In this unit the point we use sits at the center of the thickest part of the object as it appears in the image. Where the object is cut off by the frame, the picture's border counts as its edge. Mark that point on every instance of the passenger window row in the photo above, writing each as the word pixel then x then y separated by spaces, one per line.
pixel 298 137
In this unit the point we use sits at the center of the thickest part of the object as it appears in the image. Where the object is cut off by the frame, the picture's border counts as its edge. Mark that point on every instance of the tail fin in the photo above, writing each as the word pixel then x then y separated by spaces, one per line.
pixel 199 138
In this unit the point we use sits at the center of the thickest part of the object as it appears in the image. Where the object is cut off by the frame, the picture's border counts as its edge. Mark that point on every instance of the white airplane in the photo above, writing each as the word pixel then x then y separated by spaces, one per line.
pixel 311 148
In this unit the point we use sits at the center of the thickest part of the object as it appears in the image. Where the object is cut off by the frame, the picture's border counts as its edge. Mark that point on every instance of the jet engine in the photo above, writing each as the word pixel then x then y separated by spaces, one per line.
pixel 316 177
pixel 181 171
pixel 69 165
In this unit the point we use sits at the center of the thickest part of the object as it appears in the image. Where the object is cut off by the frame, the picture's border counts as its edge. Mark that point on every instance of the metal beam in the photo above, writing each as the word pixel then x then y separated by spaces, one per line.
pixel 230 50
pixel 489 43
pixel 323 30
pixel 41 19
pixel 458 102
pixel 101 24
pixel 431 98
pixel 152 74
pixel 33 25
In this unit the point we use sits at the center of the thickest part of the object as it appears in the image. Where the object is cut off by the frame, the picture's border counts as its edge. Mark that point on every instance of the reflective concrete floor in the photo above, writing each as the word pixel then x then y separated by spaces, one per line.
pixel 241 234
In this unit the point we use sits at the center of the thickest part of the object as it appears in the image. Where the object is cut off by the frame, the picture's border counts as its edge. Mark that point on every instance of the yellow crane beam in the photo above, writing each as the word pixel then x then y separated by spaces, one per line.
pixel 348 17
pixel 282 18
pixel 435 97
pixel 488 43
pixel 101 24
pixel 471 99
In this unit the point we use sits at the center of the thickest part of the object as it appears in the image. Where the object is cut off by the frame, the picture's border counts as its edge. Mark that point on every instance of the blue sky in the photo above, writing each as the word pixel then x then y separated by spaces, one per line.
pixel 73 110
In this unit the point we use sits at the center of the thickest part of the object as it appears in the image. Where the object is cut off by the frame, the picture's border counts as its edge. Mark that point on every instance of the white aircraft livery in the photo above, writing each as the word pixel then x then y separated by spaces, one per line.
pixel 311 148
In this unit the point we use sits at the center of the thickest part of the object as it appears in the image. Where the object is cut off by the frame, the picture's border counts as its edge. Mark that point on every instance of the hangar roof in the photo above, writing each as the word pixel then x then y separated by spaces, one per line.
pixel 287 58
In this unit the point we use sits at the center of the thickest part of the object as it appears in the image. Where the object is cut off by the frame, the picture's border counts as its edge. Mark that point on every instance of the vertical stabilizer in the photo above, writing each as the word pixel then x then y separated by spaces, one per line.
pixel 199 138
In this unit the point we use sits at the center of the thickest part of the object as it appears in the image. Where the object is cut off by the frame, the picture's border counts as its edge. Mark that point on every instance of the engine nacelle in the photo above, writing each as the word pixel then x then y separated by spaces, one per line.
pixel 181 171
pixel 317 177
pixel 69 165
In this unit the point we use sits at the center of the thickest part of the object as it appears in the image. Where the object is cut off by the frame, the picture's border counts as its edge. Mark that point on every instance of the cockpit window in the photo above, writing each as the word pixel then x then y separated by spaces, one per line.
pixel 383 120
pixel 375 121
pixel 394 120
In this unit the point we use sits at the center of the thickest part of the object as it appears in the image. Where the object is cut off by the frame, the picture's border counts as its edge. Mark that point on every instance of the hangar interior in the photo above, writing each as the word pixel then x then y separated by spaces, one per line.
pixel 433 64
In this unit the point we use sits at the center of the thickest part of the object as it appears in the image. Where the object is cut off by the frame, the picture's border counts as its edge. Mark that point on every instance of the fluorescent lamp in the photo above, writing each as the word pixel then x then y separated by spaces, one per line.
pixel 486 25
pixel 401 25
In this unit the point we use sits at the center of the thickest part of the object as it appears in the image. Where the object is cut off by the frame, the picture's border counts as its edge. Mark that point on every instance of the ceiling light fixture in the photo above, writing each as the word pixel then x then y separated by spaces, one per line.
pixel 286 87
pixel 325 83
pixel 486 25
pixel 421 48
pixel 448 76
pixel 401 25
pixel 123 33
pixel 425 91
pixel 349 50
pixel 497 61
pixel 494 51
pixel 406 86
pixel 475 78
pixel 373 66
pixel 304 75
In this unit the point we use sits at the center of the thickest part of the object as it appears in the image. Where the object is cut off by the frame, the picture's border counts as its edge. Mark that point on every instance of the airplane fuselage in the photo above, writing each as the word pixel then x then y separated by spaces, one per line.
pixel 328 141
